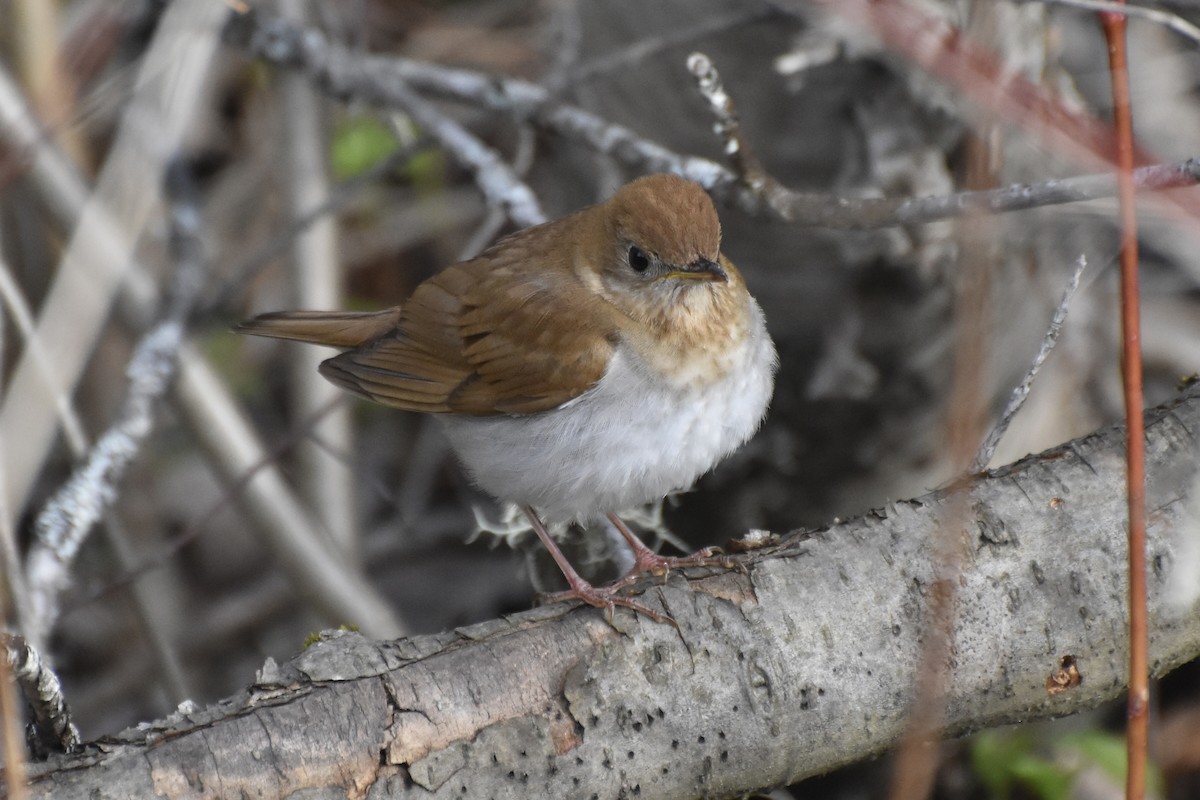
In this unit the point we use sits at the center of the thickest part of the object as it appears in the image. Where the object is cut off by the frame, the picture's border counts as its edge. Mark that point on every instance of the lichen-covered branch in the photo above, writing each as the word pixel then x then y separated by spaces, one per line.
pixel 801 663
pixel 51 730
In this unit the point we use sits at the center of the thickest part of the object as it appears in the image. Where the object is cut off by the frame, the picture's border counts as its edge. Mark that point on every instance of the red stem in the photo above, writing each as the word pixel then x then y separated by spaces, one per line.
pixel 1138 709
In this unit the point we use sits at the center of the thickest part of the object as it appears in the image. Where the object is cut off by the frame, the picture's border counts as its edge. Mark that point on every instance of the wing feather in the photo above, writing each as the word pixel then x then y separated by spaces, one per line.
pixel 488 336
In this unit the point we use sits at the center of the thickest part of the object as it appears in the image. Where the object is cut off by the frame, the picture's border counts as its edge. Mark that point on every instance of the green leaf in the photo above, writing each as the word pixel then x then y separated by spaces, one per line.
pixel 359 144
pixel 1005 760
pixel 1047 779
pixel 991 754
pixel 1048 768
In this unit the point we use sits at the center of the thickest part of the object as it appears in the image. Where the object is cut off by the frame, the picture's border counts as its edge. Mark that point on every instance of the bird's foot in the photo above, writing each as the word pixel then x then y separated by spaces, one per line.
pixel 649 562
pixel 646 560
pixel 606 598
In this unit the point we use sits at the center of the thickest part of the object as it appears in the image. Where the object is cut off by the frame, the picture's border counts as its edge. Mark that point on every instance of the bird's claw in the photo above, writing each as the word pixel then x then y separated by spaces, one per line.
pixel 607 598
pixel 654 564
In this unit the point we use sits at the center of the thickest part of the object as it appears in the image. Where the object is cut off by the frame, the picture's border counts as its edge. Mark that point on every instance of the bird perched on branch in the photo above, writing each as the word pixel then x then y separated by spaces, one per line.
pixel 579 367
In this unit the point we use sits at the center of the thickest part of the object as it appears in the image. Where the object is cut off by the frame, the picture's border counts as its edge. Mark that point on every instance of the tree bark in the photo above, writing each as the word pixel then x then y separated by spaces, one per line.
pixel 797 663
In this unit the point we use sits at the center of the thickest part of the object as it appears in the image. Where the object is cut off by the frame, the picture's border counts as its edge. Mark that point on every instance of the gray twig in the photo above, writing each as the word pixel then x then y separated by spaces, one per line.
pixel 69 516
pixel 1021 391
pixel 495 219
pixel 376 78
pixel 496 179
pixel 51 730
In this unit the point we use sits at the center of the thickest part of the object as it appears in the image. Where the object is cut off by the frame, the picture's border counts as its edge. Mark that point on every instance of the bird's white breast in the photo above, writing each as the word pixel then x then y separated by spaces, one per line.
pixel 629 440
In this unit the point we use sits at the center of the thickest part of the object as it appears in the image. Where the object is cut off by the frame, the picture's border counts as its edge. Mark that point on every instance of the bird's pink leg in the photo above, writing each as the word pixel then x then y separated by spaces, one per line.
pixel 606 597
pixel 646 560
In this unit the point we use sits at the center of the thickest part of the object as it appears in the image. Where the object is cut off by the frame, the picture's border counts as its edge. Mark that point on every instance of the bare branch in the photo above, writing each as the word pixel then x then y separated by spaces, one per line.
pixel 349 73
pixel 932 44
pixel 753 687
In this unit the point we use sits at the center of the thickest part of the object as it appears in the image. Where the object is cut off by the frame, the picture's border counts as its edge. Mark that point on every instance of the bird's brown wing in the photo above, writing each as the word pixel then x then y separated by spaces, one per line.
pixel 495 335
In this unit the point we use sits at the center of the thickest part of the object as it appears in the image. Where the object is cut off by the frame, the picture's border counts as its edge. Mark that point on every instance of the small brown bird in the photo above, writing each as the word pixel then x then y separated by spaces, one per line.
pixel 579 367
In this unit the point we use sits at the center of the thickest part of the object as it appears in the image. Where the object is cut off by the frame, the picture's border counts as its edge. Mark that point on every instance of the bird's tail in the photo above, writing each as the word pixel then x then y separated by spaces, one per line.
pixel 332 328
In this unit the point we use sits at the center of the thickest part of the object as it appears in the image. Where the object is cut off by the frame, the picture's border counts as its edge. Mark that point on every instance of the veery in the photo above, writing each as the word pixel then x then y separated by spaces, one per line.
pixel 579 367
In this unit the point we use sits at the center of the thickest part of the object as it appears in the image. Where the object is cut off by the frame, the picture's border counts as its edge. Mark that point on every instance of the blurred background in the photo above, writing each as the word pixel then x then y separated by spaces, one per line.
pixel 194 576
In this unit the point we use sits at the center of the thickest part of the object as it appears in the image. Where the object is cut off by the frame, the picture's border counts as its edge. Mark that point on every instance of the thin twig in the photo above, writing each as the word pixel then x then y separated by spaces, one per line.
pixel 372 78
pixel 1138 703
pixel 728 126
pixel 239 486
pixel 1021 391
pixel 77 443
pixel 52 731
pixel 496 219
pixel 21 315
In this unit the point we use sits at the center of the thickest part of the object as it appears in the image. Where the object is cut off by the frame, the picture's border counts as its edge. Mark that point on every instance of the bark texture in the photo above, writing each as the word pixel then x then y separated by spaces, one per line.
pixel 802 662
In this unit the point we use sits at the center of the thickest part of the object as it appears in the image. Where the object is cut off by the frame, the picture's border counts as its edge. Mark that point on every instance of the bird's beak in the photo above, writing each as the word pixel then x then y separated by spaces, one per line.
pixel 701 270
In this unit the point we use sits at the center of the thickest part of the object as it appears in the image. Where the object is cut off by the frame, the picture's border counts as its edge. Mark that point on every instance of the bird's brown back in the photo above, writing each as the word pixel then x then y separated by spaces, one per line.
pixel 510 332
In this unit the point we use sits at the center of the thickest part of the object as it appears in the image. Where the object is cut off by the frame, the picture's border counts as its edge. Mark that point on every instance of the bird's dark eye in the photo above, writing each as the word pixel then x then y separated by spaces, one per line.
pixel 638 260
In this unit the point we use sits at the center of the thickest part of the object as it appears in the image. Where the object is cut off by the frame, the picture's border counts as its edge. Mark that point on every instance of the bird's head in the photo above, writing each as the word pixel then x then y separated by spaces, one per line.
pixel 657 251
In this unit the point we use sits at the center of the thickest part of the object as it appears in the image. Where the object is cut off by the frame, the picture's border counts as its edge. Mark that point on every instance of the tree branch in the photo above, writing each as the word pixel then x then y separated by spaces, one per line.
pixel 349 73
pixel 799 664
